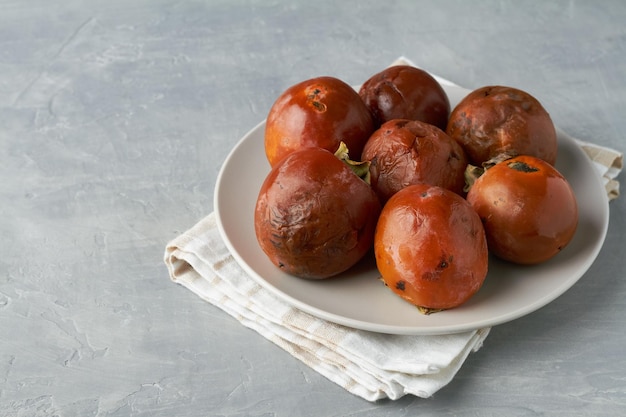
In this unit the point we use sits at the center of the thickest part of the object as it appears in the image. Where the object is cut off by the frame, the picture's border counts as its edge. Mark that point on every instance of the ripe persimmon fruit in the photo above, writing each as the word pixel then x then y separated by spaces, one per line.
pixel 320 112
pixel 430 247
pixel 314 217
pixel 528 208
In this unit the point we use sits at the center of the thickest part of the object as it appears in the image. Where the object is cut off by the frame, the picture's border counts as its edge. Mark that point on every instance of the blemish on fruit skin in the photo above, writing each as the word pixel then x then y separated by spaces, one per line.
pixel 400 285
pixel 319 106
pixel 445 262
pixel 314 99
pixel 522 166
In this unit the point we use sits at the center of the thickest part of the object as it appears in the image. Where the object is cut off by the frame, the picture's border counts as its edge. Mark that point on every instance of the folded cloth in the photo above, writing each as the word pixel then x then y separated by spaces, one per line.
pixel 367 364
pixel 608 162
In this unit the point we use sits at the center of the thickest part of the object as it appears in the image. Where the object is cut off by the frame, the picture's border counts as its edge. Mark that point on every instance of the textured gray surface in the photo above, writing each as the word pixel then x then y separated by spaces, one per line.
pixel 114 120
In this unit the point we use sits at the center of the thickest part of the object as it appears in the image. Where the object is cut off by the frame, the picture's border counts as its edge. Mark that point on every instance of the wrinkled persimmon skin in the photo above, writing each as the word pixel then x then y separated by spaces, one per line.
pixel 320 112
pixel 430 247
pixel 528 208
pixel 406 92
pixel 314 218
pixel 404 152
pixel 495 120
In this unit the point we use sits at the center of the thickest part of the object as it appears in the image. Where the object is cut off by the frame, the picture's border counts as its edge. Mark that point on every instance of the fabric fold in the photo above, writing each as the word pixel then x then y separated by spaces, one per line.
pixel 367 364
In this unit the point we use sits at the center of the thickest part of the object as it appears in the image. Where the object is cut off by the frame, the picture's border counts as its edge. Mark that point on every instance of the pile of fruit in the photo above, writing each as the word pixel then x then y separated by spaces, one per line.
pixel 431 191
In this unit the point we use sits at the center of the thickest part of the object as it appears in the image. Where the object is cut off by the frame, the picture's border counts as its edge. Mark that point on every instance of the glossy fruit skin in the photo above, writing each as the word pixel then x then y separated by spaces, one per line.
pixel 528 208
pixel 430 247
pixel 319 112
pixel 406 92
pixel 314 218
pixel 493 120
pixel 404 152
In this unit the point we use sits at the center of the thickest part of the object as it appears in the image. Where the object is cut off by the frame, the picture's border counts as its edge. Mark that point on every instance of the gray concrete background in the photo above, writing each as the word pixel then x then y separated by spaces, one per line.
pixel 114 120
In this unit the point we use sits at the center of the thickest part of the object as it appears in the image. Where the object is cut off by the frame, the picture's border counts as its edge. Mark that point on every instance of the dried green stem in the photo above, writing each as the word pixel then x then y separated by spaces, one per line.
pixel 361 169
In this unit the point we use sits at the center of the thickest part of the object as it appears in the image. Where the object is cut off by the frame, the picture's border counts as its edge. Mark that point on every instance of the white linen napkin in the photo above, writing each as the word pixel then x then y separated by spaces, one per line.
pixel 608 162
pixel 367 364
pixel 370 365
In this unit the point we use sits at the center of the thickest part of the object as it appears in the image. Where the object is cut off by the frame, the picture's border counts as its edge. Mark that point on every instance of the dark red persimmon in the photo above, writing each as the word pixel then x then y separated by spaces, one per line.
pixel 320 112
pixel 430 247
pixel 406 92
pixel 496 120
pixel 314 217
pixel 528 208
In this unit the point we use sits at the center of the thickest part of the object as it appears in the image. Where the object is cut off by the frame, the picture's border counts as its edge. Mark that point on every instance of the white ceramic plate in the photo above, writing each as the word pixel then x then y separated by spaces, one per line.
pixel 358 298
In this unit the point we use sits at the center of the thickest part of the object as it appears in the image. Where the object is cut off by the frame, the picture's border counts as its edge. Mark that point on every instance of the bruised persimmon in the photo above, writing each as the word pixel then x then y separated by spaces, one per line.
pixel 404 152
pixel 406 92
pixel 528 208
pixel 499 121
pixel 314 216
pixel 319 112
pixel 430 247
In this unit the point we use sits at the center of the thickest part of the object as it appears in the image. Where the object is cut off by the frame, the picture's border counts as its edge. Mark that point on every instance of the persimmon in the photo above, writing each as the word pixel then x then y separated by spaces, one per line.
pixel 406 92
pixel 319 112
pixel 498 122
pixel 430 247
pixel 314 216
pixel 404 152
pixel 529 210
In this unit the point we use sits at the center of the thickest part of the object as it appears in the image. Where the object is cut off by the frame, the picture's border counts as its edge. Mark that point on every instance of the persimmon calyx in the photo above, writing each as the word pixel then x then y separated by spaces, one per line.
pixel 360 168
pixel 427 310
pixel 472 172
